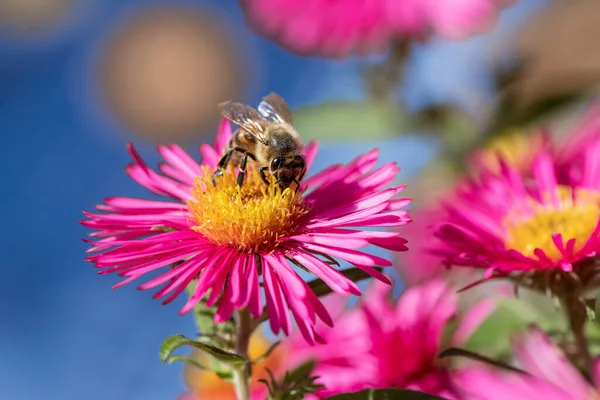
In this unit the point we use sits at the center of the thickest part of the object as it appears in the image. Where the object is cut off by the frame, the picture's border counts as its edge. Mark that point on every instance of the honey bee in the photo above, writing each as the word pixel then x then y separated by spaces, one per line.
pixel 265 135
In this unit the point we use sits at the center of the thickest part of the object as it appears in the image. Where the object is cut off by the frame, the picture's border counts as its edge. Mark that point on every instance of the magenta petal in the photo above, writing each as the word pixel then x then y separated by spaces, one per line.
pixel 239 296
pixel 330 240
pixel 352 256
pixel 192 263
pixel 336 281
pixel 254 300
pixel 394 244
pixel 274 307
pixel 226 307
pixel 221 275
pixel 543 359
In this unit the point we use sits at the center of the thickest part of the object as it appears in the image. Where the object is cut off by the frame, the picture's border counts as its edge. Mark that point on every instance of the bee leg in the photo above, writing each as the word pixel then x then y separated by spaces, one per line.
pixel 222 165
pixel 262 174
pixel 297 184
pixel 242 173
pixel 301 176
pixel 219 173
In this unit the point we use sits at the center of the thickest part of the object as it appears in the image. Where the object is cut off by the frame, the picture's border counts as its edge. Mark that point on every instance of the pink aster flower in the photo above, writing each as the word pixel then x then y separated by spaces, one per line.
pixel 418 265
pixel 570 151
pixel 231 240
pixel 552 377
pixel 336 28
pixel 518 225
pixel 383 344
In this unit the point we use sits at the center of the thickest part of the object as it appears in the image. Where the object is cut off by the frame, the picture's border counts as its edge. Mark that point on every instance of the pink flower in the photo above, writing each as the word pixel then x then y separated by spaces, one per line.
pixel 552 376
pixel 336 28
pixel 418 265
pixel 570 151
pixel 383 344
pixel 230 240
pixel 511 222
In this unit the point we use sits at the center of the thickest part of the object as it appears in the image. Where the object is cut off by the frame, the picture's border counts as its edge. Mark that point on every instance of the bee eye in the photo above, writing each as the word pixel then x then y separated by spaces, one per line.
pixel 275 164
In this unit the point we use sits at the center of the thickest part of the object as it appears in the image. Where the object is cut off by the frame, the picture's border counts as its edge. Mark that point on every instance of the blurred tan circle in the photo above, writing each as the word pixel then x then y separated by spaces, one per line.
pixel 31 17
pixel 164 70
pixel 560 50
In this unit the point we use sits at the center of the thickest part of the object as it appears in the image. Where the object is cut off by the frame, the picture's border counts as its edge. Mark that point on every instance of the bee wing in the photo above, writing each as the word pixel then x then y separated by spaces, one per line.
pixel 246 117
pixel 274 108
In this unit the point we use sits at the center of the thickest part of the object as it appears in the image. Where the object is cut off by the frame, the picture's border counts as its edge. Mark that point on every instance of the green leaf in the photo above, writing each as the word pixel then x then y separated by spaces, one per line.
pixel 173 342
pixel 354 274
pixel 385 394
pixel 350 121
pixel 186 359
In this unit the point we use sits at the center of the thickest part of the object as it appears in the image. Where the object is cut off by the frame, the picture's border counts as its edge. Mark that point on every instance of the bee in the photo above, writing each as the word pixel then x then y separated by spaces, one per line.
pixel 265 135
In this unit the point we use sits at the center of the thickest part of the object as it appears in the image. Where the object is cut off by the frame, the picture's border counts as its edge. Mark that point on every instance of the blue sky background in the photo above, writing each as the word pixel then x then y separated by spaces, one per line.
pixel 64 334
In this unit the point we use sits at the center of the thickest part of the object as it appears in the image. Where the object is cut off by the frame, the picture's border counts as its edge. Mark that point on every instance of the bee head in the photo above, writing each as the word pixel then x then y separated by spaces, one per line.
pixel 288 169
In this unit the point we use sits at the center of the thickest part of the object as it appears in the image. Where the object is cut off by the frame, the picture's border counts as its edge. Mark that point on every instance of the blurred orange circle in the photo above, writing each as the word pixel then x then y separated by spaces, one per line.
pixel 34 17
pixel 164 69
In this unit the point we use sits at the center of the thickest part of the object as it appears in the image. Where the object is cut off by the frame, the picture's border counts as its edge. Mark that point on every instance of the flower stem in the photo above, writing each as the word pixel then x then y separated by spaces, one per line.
pixel 241 374
pixel 577 317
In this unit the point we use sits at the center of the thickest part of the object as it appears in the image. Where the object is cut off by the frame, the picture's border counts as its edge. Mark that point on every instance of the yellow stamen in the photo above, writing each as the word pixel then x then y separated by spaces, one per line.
pixel 516 147
pixel 252 218
pixel 575 217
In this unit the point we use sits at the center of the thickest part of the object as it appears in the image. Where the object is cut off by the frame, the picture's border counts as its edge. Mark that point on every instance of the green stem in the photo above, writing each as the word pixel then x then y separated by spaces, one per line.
pixel 241 375
pixel 577 317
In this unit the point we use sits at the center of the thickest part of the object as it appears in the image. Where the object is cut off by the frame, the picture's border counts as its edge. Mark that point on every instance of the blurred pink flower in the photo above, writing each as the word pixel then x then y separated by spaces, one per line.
pixel 228 240
pixel 552 376
pixel 513 222
pixel 418 265
pixel 570 151
pixel 336 28
pixel 382 344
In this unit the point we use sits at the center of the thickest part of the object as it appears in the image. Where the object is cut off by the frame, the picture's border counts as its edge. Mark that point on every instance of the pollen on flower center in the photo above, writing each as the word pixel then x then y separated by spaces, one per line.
pixel 575 217
pixel 252 218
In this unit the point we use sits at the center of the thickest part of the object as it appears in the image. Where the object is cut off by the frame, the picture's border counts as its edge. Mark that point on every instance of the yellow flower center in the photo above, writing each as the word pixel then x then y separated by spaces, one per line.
pixel 252 217
pixel 575 217
pixel 208 385
pixel 516 147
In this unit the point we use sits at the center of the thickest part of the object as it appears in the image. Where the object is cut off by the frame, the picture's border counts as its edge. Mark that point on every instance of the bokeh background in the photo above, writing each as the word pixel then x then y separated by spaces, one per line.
pixel 79 78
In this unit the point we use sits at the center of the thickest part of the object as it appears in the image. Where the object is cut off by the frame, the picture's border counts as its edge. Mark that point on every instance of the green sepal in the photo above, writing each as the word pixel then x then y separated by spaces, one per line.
pixel 385 394
pixel 295 385
pixel 299 373
pixel 173 342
